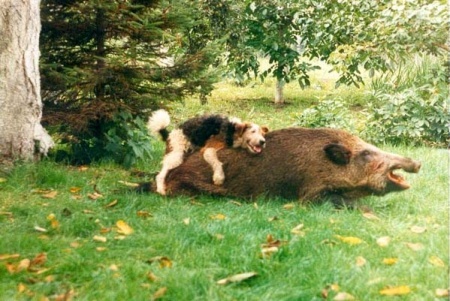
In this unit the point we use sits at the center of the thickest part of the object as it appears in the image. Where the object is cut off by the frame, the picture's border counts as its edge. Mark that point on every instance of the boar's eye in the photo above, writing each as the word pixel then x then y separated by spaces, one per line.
pixel 365 153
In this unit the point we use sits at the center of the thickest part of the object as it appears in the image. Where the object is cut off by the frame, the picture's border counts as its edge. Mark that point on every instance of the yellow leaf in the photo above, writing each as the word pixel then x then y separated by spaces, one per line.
pixel 100 249
pixel 159 293
pixel 21 288
pixel 24 264
pixel 2 180
pixel 112 204
pixel 360 261
pixel 9 256
pixel 415 247
pixel 99 238
pixel 40 229
pixel 123 228
pixel 186 221
pixel 441 292
pixel 370 215
pixel 342 296
pixel 164 262
pixel 418 229
pixel 129 184
pixel 289 206
pixel 351 240
pixel 436 261
pixel 143 214
pixel 237 278
pixel 50 195
pixel 390 261
pixel 94 196
pixel 298 230
pixel 396 291
pixel 218 216
pixel 74 189
pixel 383 241
pixel 114 267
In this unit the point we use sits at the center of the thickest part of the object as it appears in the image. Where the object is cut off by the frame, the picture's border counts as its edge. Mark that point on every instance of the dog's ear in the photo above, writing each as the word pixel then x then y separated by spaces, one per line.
pixel 338 153
pixel 240 128
pixel 264 129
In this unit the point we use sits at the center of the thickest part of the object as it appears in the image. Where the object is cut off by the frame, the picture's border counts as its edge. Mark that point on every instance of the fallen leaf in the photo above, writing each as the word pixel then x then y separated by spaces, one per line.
pixel 186 221
pixel 83 168
pixel 396 291
pixel 219 236
pixel 370 215
pixel 39 259
pixel 343 296
pixel 123 228
pixel 75 189
pixel 441 292
pixel 21 288
pixel 415 246
pixel 75 244
pixel 351 240
pixel 383 241
pixel 255 205
pixel 50 195
pixel 67 296
pixel 143 214
pixel 271 219
pixel 49 278
pixel 297 230
pixel 40 229
pixel 53 221
pixel 152 277
pixel 2 180
pixel 112 204
pixel 129 184
pixel 9 256
pixel 436 261
pixel 86 211
pixel 159 293
pixel 289 206
pixel 99 238
pixel 23 265
pixel 390 261
pixel 268 251
pixel 114 268
pixel 94 196
pixel 236 203
pixel 360 261
pixel 164 262
pixel 237 278
pixel 218 216
pixel 101 249
pixel 418 229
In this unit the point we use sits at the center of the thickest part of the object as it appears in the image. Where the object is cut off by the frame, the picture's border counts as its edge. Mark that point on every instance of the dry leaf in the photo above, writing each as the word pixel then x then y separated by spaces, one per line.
pixel 39 259
pixel 67 296
pixel 99 238
pixel 236 203
pixel 390 261
pixel 101 249
pixel 112 204
pixel 143 214
pixel 40 229
pixel 351 240
pixel 9 256
pixel 418 229
pixel 383 241
pixel 436 261
pixel 237 278
pixel 152 277
pixel 268 251
pixel 83 168
pixel 415 246
pixel 186 221
pixel 360 261
pixel 23 265
pixel 297 230
pixel 289 206
pixel 159 293
pixel 75 189
pixel 2 180
pixel 50 195
pixel 94 196
pixel 271 219
pixel 164 262
pixel 396 291
pixel 86 211
pixel 123 228
pixel 342 296
pixel 370 215
pixel 114 268
pixel 441 292
pixel 21 288
pixel 75 244
pixel 129 184
pixel 219 236
pixel 53 221
pixel 218 216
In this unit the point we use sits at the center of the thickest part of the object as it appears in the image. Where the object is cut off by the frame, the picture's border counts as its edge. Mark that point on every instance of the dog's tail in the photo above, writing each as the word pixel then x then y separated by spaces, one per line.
pixel 158 123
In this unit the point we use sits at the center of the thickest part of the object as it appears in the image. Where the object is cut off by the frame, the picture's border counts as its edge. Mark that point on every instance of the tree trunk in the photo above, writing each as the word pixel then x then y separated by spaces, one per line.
pixel 279 99
pixel 20 99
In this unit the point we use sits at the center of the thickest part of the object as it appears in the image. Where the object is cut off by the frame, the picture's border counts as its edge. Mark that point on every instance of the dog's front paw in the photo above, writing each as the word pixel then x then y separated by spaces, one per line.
pixel 218 178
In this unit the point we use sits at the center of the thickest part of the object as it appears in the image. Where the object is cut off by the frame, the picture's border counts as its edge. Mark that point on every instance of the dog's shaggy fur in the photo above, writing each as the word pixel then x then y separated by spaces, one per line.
pixel 208 133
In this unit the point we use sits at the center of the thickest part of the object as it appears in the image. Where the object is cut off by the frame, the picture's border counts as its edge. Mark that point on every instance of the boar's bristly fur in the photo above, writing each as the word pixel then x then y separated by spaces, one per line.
pixel 299 163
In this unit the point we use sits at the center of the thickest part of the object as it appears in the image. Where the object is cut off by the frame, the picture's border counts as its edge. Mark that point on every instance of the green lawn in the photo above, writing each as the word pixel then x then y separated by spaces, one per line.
pixel 104 242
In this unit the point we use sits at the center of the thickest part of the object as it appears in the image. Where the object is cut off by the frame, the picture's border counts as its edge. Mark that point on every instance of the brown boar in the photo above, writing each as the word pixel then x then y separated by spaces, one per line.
pixel 299 163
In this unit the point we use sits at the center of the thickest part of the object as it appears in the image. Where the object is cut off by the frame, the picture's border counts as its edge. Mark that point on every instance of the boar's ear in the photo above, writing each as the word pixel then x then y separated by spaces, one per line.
pixel 338 153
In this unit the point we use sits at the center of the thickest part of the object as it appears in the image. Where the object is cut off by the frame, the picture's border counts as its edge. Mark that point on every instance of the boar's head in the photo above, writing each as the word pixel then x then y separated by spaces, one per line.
pixel 366 170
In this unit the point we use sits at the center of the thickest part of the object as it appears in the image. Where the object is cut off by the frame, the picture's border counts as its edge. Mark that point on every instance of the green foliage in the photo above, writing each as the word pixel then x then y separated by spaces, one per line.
pixel 332 113
pixel 411 106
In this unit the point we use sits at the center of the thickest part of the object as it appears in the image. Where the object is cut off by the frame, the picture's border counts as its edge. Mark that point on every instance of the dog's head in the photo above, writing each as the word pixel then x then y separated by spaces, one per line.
pixel 250 136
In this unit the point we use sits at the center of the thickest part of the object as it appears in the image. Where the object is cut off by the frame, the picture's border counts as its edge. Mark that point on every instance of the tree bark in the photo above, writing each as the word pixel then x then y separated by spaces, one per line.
pixel 279 98
pixel 20 95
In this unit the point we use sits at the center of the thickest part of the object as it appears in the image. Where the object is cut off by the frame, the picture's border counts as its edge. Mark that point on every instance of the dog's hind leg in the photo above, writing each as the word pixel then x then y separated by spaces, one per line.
pixel 210 156
pixel 171 160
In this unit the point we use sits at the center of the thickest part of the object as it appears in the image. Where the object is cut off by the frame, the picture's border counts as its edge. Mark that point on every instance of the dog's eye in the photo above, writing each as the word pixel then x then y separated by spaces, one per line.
pixel 253 131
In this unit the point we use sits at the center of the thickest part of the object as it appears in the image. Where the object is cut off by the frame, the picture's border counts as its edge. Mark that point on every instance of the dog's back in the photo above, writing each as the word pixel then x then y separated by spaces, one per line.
pixel 199 129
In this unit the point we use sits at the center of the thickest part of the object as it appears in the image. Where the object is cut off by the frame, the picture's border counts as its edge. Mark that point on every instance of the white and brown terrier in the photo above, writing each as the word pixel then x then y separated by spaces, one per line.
pixel 208 133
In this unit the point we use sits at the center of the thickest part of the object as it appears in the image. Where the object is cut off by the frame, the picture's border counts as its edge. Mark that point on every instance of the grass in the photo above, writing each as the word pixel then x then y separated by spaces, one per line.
pixel 181 246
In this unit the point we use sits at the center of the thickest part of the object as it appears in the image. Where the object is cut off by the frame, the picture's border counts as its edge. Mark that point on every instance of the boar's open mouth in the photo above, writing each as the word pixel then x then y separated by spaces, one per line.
pixel 397 180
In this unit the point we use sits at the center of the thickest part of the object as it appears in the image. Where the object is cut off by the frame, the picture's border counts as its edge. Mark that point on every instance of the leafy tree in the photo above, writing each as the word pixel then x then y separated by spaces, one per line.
pixel 347 34
pixel 106 63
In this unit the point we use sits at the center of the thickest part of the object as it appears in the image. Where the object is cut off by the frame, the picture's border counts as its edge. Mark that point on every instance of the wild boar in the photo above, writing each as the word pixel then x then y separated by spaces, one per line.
pixel 299 163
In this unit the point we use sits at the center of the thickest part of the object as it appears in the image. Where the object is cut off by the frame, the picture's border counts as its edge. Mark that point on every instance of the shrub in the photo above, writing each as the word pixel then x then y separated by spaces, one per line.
pixel 411 107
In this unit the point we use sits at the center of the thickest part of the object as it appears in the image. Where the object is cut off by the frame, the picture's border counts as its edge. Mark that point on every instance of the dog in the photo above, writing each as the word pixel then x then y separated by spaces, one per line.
pixel 208 133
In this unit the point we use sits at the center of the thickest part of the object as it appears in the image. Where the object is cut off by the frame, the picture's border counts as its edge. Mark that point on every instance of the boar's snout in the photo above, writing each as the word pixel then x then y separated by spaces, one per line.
pixel 406 164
